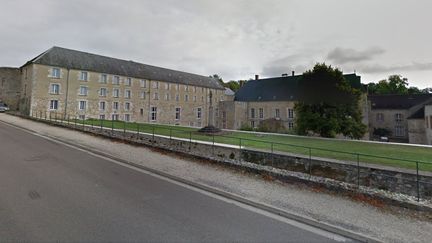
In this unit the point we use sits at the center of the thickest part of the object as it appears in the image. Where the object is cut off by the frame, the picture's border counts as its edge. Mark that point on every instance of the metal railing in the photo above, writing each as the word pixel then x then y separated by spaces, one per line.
pixel 363 163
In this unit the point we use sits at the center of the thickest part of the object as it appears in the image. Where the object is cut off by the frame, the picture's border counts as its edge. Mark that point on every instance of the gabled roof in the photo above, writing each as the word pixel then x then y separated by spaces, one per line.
pixel 285 88
pixel 229 92
pixel 398 101
pixel 72 59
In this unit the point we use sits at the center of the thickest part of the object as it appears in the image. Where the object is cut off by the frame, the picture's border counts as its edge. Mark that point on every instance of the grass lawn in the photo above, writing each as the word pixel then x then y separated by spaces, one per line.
pixel 377 153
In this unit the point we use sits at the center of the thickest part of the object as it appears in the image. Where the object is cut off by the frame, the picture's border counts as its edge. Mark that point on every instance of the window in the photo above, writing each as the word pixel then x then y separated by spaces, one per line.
pixel 153 114
pixel 155 96
pixel 101 117
pixel 194 98
pixel 83 90
pixel 177 113
pixel 277 113
pixel 202 98
pixel 194 89
pixel 186 97
pixel 102 105
pixel 82 105
pixel 380 117
pixel 116 93
pixel 221 98
pixel 116 80
pixel 290 113
pixel 177 97
pixel 253 124
pixel 261 113
pixel 142 112
pixel 252 112
pixel 217 112
pixel 128 82
pixel 177 87
pixel 103 78
pixel 155 85
pixel 54 89
pixel 127 117
pixel 199 110
pixel 115 105
pixel 399 131
pixel 53 105
pixel 143 83
pixel 55 72
pixel 103 92
pixel 142 95
pixel 115 117
pixel 290 125
pixel 83 76
pixel 167 86
pixel 398 117
pixel 127 106
pixel 127 94
pixel 186 88
pixel 167 96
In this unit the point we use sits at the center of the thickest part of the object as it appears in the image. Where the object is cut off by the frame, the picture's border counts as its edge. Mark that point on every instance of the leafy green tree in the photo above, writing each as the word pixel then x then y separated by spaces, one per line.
pixel 395 84
pixel 233 85
pixel 328 104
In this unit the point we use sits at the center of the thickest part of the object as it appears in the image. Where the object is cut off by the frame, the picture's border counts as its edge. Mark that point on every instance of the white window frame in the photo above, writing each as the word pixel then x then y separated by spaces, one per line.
pixel 116 80
pixel 156 96
pixel 128 94
pixel 103 94
pixel 80 106
pixel 53 107
pixel 127 106
pixel 102 107
pixel 155 84
pixel 81 88
pixel 128 82
pixel 55 72
pixel 177 116
pixel 199 113
pixel 290 113
pixel 116 93
pixel 127 117
pixel 115 105
pixel 53 91
pixel 103 78
pixel 143 83
pixel 84 76
pixel 143 95
pixel 153 113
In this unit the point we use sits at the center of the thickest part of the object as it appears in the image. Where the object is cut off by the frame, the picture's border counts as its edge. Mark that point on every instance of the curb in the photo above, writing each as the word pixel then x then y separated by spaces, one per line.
pixel 264 207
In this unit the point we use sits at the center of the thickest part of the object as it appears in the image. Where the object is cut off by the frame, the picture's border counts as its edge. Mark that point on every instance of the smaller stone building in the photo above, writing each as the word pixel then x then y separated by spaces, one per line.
pixel 10 86
pixel 403 116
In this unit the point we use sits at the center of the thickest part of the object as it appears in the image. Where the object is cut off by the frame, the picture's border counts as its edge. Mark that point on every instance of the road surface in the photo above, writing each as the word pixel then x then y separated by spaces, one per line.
pixel 53 192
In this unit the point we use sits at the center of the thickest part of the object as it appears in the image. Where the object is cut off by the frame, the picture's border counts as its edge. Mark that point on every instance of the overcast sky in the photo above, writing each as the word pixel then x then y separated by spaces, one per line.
pixel 235 39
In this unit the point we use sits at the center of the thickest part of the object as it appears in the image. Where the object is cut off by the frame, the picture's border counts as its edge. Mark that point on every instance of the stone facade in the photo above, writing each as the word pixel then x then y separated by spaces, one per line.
pixel 10 86
pixel 87 94
pixel 394 120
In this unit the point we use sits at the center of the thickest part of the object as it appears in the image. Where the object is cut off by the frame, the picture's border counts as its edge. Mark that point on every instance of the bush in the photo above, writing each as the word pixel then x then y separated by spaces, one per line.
pixel 271 125
pixel 246 127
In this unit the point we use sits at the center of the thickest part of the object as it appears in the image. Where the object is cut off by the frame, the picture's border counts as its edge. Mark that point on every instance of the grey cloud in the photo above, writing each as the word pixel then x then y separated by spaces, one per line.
pixel 415 66
pixel 346 55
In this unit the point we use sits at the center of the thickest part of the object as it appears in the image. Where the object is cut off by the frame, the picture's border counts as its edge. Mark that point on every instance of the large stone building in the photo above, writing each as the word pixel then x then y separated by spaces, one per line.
pixel 262 99
pixel 10 86
pixel 404 117
pixel 71 84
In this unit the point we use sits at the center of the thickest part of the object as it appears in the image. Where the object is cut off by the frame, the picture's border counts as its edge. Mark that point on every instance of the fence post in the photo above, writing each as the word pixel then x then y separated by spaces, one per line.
pixel 190 141
pixel 101 125
pixel 153 132
pixel 124 128
pixel 358 171
pixel 68 119
pixel 272 155
pixel 92 124
pixel 213 145
pixel 83 123
pixel 310 162
pixel 418 183
pixel 112 126
pixel 45 115
pixel 75 121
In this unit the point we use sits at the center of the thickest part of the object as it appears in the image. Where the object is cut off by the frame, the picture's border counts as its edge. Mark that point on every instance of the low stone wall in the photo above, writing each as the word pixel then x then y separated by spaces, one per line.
pixel 394 180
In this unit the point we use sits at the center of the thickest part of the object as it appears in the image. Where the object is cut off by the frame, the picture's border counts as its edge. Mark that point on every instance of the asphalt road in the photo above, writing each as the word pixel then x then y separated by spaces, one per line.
pixel 52 192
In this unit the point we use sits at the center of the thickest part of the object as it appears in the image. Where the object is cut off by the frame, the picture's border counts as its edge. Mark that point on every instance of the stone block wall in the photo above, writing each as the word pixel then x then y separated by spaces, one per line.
pixel 10 86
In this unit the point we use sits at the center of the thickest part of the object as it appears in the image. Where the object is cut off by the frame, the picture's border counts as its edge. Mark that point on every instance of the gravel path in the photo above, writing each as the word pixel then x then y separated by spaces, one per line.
pixel 386 224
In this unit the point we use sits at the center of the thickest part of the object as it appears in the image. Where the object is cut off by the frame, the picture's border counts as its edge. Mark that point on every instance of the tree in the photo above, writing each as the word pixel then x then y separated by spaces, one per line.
pixel 233 85
pixel 395 84
pixel 217 77
pixel 328 104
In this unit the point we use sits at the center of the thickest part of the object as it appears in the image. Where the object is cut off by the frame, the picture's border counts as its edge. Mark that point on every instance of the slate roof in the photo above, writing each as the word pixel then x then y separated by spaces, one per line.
pixel 397 101
pixel 229 92
pixel 285 88
pixel 72 59
pixel 419 114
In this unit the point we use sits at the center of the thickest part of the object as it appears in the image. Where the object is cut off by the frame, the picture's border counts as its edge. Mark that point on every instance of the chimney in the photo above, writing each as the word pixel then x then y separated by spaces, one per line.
pixel 293 73
pixel 256 76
